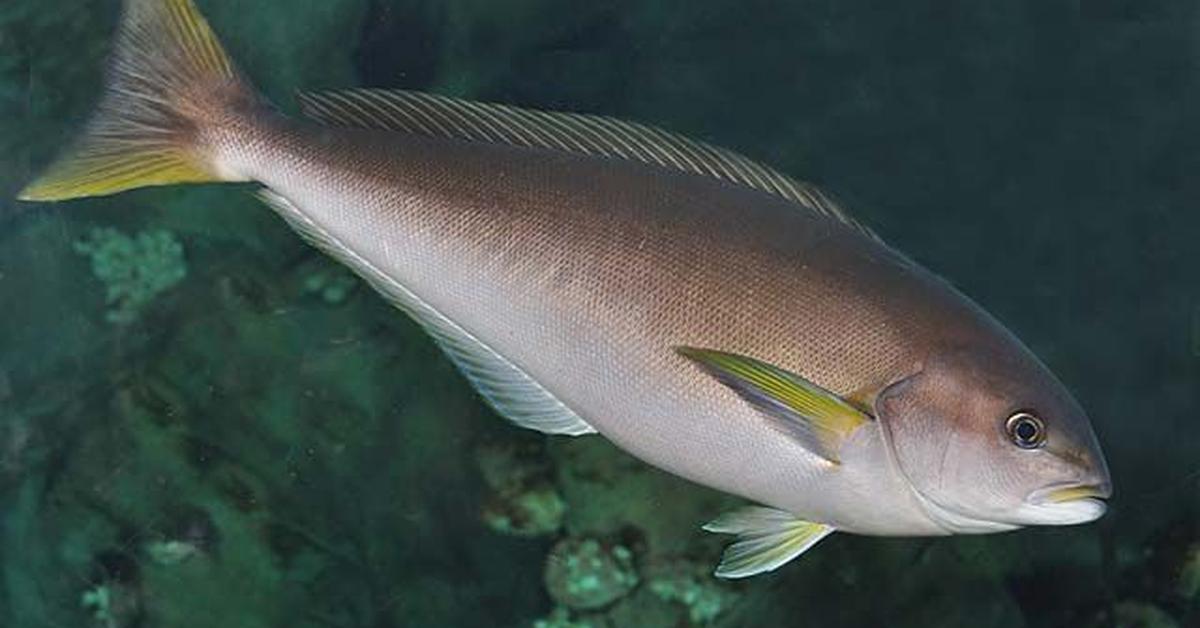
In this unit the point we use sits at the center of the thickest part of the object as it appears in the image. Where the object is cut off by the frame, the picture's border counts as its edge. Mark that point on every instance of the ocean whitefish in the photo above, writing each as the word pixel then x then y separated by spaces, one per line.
pixel 706 313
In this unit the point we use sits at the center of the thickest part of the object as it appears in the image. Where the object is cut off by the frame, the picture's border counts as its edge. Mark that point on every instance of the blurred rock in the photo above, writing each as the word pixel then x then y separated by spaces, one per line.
pixel 1133 614
pixel 1188 585
pixel 524 500
pixel 534 511
pixel 695 588
pixel 561 617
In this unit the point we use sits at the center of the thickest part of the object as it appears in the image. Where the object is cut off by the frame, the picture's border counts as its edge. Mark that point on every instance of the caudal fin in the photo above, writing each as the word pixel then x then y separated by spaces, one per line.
pixel 170 88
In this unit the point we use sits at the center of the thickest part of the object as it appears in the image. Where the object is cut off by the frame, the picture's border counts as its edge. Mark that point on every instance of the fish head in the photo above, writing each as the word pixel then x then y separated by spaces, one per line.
pixel 990 440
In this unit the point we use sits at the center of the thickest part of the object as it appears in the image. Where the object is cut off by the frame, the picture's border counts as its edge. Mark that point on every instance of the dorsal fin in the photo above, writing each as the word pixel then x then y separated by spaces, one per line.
pixel 443 116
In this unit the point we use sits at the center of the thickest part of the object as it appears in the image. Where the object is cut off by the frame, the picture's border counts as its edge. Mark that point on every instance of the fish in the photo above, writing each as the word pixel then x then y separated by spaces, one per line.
pixel 704 312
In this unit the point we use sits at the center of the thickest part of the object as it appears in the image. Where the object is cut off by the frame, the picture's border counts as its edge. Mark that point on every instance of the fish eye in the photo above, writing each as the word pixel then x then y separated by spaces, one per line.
pixel 1026 430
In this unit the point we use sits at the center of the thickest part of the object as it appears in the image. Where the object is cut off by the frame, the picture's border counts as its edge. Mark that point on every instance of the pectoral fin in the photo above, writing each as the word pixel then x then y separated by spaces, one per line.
pixel 817 418
pixel 766 539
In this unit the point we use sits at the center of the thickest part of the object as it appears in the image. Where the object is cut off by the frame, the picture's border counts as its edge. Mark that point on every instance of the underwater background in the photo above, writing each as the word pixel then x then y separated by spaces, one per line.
pixel 204 422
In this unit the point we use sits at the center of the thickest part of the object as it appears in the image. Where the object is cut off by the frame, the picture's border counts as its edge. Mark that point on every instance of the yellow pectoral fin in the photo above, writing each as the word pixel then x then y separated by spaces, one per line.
pixel 818 418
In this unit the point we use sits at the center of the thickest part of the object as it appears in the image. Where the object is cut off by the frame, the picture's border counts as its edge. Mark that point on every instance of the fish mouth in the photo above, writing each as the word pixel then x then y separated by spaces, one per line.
pixel 1067 493
pixel 1069 503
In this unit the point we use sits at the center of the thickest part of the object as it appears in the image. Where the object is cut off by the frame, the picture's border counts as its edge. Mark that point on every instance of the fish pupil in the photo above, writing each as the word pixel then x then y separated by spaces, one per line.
pixel 1026 430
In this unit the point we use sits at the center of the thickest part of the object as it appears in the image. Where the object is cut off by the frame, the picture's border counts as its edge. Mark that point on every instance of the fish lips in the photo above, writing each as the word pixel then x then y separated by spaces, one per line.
pixel 1068 503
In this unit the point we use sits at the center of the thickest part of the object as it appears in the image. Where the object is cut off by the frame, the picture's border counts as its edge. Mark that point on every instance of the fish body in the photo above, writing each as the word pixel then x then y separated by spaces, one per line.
pixel 704 313
pixel 587 272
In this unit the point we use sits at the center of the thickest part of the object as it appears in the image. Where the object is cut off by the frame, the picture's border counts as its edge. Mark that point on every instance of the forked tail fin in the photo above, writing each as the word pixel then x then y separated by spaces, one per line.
pixel 169 90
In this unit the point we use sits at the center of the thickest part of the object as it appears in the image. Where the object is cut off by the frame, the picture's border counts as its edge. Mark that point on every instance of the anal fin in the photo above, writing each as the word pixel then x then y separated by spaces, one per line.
pixel 766 539
pixel 512 392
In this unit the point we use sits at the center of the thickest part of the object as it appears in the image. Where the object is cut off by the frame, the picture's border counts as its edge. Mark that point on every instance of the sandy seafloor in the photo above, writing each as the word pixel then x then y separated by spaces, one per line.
pixel 247 437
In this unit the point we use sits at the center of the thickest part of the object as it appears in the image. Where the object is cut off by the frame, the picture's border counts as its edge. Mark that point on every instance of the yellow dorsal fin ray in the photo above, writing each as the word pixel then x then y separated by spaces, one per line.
pixel 819 419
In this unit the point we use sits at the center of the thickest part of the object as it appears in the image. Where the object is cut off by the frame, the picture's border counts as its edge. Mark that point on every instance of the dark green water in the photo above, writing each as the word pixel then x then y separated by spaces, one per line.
pixel 244 436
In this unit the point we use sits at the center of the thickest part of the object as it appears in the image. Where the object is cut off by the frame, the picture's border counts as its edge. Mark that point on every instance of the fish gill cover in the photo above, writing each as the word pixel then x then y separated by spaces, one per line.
pixel 265 445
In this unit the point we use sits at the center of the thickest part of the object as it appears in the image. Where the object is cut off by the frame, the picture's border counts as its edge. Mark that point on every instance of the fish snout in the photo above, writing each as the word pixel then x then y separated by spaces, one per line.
pixel 1090 479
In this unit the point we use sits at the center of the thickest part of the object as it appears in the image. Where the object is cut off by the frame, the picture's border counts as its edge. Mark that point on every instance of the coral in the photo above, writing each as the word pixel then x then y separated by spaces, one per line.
pixel 588 574
pixel 704 598
pixel 134 269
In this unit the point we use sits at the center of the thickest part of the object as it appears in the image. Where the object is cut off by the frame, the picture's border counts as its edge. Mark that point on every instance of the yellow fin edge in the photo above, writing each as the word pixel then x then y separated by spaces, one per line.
pixel 75 177
pixel 168 75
